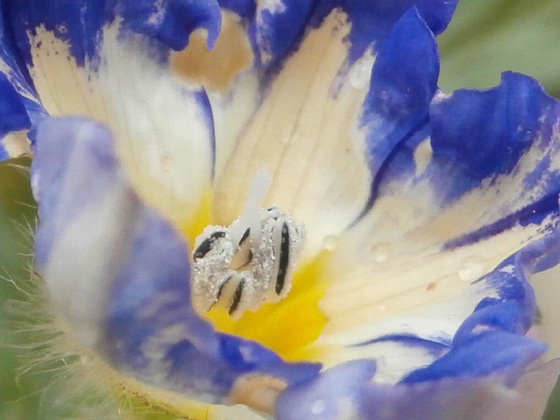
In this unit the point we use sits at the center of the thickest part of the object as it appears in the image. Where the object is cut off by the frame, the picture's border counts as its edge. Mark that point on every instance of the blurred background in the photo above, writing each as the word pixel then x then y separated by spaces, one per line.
pixel 486 38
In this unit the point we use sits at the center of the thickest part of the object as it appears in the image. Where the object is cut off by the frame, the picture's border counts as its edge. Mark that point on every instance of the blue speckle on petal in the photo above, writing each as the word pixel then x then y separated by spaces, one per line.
pixel 173 21
pixel 80 22
pixel 76 21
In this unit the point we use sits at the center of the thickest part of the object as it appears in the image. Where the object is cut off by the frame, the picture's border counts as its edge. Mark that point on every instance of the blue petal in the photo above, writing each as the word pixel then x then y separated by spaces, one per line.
pixel 510 231
pixel 372 21
pixel 346 392
pixel 486 133
pixel 500 142
pixel 173 21
pixel 62 158
pixel 398 102
pixel 18 106
pixel 153 333
pixel 276 29
pixel 332 396
pixel 244 8
pixel 15 72
pixel 79 22
pixel 485 354
pixel 120 275
pixel 491 316
pixel 13 115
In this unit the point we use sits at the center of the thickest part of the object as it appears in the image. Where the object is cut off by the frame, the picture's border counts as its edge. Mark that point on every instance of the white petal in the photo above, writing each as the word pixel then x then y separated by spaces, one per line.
pixel 392 274
pixel 305 135
pixel 163 136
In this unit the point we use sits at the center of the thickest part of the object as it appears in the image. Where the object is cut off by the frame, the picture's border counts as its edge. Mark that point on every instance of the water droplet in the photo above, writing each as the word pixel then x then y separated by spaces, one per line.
pixel 406 328
pixel 381 251
pixel 330 242
pixel 472 268
pixel 166 163
pixel 318 407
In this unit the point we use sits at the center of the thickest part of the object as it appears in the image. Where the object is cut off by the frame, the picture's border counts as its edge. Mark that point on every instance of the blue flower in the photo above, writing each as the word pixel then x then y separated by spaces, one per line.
pixel 272 204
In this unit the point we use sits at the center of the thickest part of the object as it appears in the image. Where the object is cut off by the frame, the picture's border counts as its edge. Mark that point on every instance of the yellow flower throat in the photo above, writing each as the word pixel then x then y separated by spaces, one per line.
pixel 290 325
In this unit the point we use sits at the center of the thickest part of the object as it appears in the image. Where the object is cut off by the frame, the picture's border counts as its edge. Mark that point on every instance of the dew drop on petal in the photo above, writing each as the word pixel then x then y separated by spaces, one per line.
pixel 471 269
pixel 406 328
pixel 318 407
pixel 381 251
pixel 330 242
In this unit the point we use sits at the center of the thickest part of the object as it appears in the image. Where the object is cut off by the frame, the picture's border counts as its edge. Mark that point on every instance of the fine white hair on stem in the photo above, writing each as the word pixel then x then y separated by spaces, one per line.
pixel 71 382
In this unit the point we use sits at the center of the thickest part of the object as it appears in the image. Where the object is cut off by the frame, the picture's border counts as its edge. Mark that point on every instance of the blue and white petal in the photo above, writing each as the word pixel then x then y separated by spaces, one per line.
pixel 311 118
pixel 372 22
pixel 450 223
pixel 118 274
pixel 275 32
pixel 398 101
pixel 346 392
pixel 14 122
pixel 87 213
pixel 424 213
pixel 111 65
pixel 19 106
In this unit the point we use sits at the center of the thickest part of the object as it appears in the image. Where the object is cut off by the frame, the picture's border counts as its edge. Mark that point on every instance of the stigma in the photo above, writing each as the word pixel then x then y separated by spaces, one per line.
pixel 242 266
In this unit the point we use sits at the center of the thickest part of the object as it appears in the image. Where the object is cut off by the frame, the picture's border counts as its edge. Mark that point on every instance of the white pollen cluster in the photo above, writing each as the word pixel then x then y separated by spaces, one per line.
pixel 248 263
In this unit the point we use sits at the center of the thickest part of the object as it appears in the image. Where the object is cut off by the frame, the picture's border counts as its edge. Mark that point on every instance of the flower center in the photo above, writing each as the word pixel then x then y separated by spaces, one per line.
pixel 247 278
pixel 251 262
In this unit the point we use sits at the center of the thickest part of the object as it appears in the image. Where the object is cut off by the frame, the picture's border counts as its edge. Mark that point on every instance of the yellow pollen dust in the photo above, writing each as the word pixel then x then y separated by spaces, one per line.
pixel 215 69
pixel 289 327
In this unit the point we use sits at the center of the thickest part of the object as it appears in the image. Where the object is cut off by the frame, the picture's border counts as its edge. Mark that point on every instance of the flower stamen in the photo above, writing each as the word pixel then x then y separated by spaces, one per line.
pixel 242 274
pixel 251 262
